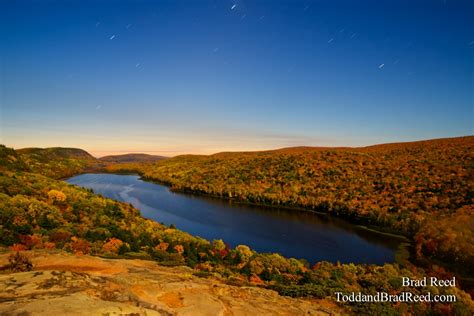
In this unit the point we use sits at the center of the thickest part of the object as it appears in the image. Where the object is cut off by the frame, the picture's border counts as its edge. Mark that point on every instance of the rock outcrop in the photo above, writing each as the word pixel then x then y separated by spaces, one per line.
pixel 64 284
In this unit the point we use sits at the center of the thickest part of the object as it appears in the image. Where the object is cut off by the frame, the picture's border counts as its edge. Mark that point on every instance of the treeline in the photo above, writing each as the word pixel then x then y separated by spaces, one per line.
pixel 39 212
pixel 420 189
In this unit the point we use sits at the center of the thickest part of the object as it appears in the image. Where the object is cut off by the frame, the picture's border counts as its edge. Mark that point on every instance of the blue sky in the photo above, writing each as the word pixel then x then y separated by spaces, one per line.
pixel 172 77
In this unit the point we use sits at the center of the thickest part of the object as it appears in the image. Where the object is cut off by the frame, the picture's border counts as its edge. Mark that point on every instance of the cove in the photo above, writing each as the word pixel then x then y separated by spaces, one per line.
pixel 314 237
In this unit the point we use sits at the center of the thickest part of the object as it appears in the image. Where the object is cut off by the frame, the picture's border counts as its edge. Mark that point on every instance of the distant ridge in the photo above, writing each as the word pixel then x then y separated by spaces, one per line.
pixel 56 162
pixel 77 153
pixel 128 158
pixel 376 147
pixel 55 153
pixel 63 162
pixel 51 153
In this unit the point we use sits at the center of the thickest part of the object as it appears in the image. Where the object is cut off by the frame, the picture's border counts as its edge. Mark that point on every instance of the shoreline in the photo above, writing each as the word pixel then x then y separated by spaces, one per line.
pixel 400 251
pixel 403 255
pixel 360 222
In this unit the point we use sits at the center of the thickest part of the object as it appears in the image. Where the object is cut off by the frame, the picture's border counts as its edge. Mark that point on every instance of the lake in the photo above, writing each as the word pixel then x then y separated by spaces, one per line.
pixel 292 233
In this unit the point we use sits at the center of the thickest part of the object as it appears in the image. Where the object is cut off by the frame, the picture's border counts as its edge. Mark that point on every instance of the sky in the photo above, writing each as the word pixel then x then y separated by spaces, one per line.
pixel 174 77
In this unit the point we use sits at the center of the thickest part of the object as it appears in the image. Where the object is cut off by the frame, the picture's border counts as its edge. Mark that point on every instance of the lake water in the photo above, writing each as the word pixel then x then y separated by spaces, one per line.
pixel 292 233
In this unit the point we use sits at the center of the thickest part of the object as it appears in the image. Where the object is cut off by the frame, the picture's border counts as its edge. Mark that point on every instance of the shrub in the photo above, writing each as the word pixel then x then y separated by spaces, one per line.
pixel 80 246
pixel 18 262
pixel 18 247
pixel 113 245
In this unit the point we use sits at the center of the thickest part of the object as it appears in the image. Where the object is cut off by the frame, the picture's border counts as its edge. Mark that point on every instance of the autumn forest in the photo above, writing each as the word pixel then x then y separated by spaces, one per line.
pixel 421 190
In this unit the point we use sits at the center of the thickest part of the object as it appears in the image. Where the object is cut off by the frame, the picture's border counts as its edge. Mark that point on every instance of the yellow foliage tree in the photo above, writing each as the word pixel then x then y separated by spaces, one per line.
pixel 57 196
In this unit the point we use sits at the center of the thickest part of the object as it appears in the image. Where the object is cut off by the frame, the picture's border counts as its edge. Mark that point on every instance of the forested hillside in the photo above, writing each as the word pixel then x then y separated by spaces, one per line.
pixel 39 212
pixel 56 162
pixel 420 189
pixel 60 162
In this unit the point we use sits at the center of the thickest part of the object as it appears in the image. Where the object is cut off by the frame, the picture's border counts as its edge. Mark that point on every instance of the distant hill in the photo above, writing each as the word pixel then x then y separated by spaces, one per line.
pixel 429 143
pixel 57 162
pixel 45 154
pixel 62 162
pixel 130 158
